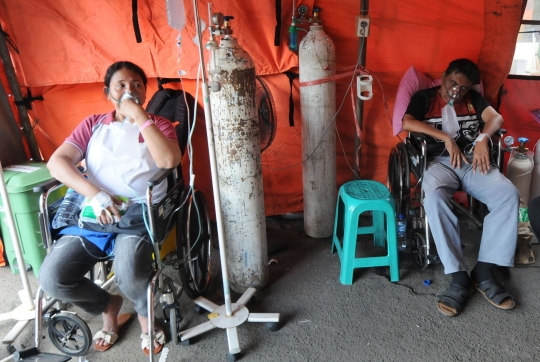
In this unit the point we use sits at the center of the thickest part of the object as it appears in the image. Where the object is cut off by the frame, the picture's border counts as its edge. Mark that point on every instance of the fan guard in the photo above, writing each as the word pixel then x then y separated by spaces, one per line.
pixel 266 112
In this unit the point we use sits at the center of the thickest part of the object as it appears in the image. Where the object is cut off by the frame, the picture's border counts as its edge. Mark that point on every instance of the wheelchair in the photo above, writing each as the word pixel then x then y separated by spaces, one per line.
pixel 183 215
pixel 406 166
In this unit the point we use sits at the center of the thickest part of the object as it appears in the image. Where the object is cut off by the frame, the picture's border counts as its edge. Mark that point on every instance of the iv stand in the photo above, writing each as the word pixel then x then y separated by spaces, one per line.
pixel 230 315
pixel 24 313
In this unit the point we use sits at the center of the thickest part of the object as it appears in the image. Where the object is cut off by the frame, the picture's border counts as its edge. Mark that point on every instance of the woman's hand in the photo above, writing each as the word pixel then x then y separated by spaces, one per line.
pixel 129 108
pixel 481 156
pixel 109 216
pixel 456 156
pixel 104 208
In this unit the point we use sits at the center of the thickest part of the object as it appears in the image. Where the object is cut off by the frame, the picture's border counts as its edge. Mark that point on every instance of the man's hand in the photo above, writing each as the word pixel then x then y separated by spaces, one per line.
pixel 456 156
pixel 481 156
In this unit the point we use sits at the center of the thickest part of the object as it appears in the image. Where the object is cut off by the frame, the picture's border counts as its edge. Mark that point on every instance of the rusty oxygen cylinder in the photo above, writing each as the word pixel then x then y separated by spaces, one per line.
pixel 238 154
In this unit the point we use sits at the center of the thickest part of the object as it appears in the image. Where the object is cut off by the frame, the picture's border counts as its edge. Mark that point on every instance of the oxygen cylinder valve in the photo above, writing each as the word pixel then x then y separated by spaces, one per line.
pixel 315 20
pixel 522 141
pixel 227 26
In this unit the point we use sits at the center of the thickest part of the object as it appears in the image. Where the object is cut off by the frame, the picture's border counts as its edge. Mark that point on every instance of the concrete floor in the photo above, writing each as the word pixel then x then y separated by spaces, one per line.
pixel 323 320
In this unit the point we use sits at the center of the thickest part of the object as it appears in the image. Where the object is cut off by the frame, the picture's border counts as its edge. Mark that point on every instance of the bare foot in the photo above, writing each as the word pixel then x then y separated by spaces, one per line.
pixel 110 315
pixel 144 327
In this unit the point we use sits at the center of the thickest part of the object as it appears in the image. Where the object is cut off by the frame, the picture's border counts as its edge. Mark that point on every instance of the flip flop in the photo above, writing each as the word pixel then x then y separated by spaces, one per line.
pixel 495 294
pixel 452 300
pixel 159 337
pixel 110 337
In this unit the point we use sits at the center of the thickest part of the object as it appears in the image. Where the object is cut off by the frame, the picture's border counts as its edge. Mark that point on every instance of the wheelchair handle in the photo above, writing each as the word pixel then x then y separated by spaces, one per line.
pixel 46 186
pixel 159 176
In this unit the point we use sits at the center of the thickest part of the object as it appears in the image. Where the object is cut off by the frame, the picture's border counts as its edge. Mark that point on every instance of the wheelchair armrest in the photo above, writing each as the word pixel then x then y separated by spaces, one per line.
pixel 159 176
pixel 45 186
pixel 420 137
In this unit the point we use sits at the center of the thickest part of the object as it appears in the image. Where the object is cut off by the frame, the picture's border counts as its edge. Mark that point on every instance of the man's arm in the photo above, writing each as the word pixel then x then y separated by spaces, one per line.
pixel 411 124
pixel 493 121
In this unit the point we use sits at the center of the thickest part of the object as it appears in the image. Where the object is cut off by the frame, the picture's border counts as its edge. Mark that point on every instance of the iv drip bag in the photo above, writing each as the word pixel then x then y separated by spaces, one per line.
pixel 176 14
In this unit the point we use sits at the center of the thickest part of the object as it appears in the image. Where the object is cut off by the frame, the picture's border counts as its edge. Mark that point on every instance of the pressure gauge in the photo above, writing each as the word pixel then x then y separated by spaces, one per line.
pixel 509 140
pixel 218 19
pixel 302 10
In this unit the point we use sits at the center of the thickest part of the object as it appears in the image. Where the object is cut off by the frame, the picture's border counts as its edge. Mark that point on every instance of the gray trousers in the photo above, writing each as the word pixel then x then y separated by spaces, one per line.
pixel 63 271
pixel 499 236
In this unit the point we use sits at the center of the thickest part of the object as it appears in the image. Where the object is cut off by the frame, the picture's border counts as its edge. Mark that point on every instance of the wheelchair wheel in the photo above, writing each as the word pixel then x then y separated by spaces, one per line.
pixel 69 333
pixel 193 244
pixel 419 247
pixel 399 181
pixel 171 310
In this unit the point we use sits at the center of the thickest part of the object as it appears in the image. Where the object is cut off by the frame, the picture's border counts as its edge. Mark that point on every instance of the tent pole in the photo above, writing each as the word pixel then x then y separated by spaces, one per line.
pixel 362 45
pixel 27 129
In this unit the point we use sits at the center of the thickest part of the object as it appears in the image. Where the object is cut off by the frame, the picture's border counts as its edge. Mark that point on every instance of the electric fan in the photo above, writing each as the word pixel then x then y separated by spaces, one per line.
pixel 266 110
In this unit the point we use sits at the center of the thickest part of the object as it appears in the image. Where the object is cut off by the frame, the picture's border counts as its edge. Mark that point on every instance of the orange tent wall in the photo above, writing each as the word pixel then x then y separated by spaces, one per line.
pixel 520 97
pixel 66 46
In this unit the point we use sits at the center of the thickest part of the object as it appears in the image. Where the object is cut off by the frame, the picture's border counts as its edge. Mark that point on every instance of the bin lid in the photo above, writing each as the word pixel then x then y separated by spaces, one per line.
pixel 23 177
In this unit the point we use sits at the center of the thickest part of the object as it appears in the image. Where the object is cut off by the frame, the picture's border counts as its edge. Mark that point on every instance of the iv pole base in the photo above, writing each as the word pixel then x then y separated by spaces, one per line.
pixel 240 314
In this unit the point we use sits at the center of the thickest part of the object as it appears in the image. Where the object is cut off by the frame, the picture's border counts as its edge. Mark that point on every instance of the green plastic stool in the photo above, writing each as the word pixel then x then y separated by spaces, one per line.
pixel 354 198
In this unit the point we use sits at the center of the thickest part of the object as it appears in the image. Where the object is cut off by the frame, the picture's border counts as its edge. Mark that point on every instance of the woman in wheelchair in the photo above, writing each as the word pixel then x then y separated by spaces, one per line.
pixel 122 150
pixel 458 158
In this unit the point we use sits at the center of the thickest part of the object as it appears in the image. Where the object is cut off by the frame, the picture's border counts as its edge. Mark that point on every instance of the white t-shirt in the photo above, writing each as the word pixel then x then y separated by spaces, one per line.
pixel 117 158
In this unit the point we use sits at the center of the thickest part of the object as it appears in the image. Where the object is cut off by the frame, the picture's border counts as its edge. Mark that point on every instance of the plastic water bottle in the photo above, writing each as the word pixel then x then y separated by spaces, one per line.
pixel 402 232
pixel 71 205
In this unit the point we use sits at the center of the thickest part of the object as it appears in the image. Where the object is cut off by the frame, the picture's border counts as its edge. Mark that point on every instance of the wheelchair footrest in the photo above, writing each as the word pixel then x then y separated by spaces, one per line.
pixel 33 354
pixel 434 259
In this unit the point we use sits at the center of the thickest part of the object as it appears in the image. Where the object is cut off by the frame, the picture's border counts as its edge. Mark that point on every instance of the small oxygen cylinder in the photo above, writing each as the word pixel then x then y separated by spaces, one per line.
pixel 519 169
pixel 535 178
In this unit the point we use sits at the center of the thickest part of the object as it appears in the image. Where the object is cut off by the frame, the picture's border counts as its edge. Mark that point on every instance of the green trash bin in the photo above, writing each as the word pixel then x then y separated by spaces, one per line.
pixel 20 180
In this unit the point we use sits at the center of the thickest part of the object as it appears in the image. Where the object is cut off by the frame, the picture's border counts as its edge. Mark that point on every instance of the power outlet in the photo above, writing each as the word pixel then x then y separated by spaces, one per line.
pixel 362 26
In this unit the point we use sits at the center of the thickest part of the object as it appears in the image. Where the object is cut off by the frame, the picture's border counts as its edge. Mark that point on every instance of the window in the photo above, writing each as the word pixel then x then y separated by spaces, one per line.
pixel 526 59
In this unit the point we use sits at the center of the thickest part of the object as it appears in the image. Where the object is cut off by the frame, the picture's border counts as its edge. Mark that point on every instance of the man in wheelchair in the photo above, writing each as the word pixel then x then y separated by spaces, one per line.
pixel 458 124
pixel 122 150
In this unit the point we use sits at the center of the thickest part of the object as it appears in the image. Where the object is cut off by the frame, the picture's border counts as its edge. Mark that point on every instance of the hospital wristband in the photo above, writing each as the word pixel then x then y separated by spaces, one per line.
pixel 146 124
pixel 480 137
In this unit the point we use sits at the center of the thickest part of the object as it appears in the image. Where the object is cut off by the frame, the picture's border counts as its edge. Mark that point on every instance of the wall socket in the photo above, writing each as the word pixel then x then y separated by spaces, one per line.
pixel 362 26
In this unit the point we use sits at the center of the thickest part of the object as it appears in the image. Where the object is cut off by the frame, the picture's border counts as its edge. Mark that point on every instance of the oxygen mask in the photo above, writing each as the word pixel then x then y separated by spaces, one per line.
pixel 129 95
pixel 453 93
pixel 453 90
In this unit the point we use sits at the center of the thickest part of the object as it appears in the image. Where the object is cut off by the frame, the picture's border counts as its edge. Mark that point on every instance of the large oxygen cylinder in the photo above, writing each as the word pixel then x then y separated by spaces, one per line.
pixel 535 178
pixel 519 170
pixel 317 60
pixel 238 155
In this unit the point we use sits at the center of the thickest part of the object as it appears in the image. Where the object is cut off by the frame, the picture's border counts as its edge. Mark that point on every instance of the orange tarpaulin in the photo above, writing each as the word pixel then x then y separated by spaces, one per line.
pixel 66 46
